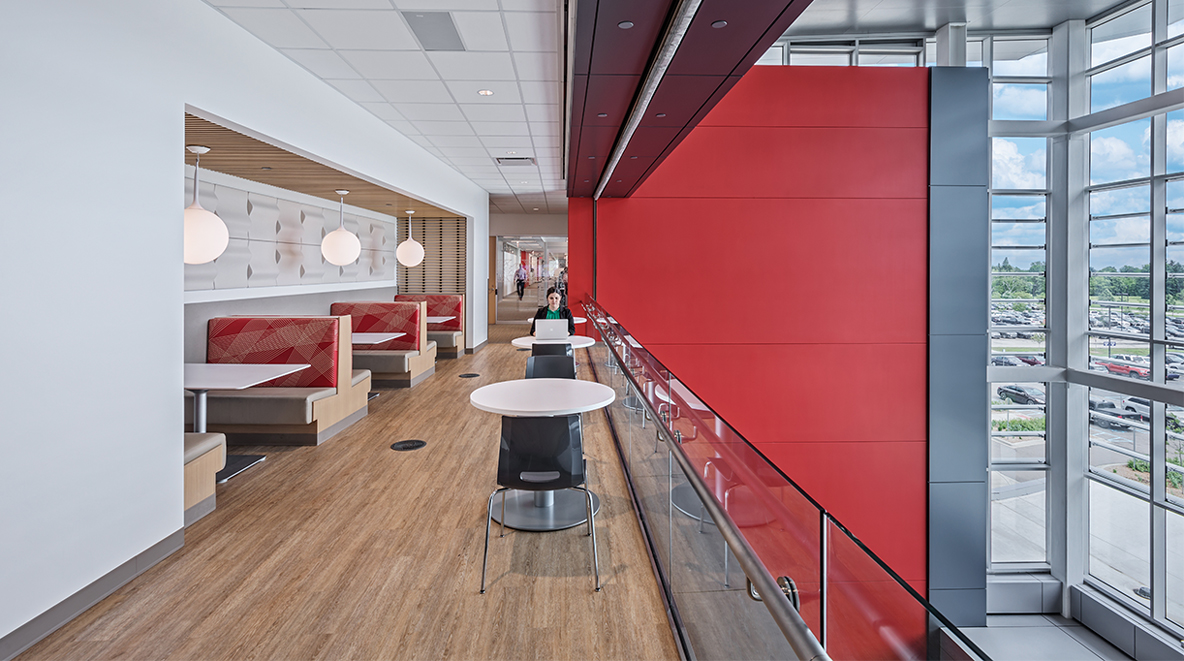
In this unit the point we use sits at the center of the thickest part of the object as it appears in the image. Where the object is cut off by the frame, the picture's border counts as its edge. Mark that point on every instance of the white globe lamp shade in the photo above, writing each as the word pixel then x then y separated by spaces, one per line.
pixel 206 236
pixel 409 253
pixel 341 247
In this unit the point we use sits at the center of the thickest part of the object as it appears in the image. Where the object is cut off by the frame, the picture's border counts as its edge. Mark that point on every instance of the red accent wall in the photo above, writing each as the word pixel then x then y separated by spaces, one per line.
pixel 579 258
pixel 777 263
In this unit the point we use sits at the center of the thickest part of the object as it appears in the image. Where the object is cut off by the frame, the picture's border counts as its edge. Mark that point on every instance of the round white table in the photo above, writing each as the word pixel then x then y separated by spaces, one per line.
pixel 576 341
pixel 536 398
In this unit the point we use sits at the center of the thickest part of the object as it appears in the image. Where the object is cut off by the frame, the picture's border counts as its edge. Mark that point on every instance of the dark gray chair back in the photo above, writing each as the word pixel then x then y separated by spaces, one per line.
pixel 551 349
pixel 550 367
pixel 541 454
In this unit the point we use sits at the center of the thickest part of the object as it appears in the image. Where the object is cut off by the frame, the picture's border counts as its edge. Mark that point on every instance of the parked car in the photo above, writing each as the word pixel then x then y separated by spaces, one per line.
pixel 1103 411
pixel 1133 358
pixel 1005 360
pixel 1030 358
pixel 1018 394
pixel 1122 368
pixel 1141 407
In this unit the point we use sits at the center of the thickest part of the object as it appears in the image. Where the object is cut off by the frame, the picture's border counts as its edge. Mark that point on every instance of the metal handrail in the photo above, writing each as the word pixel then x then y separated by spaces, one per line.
pixel 797 634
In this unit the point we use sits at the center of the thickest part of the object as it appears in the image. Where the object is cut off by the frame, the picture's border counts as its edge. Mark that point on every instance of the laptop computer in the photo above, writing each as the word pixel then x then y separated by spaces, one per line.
pixel 550 329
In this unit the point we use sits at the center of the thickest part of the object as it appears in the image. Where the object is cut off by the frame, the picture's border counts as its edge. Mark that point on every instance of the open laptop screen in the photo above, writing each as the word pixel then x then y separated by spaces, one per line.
pixel 550 329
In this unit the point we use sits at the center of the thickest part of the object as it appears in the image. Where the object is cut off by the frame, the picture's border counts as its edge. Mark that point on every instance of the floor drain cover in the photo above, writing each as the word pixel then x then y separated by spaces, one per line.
pixel 524 349
pixel 404 446
pixel 469 375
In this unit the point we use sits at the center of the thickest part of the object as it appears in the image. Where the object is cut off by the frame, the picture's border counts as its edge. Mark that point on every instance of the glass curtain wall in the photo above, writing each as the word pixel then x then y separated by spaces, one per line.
pixel 1135 194
pixel 1019 71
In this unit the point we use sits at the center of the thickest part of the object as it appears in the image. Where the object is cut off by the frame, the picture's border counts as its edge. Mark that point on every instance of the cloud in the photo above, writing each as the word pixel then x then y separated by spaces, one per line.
pixel 1111 159
pixel 1104 51
pixel 1012 170
pixel 1020 102
pixel 1175 145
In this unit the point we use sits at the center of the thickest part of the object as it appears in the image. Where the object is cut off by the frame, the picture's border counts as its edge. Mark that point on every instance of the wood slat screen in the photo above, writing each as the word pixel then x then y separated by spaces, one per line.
pixel 443 267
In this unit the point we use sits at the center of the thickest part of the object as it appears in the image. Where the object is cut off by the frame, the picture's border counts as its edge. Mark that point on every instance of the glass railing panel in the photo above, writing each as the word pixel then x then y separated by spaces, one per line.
pixel 869 614
pixel 845 596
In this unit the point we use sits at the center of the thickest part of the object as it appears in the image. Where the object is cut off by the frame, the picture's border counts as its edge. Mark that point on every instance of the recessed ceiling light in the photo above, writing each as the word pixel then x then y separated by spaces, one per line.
pixel 625 25
pixel 536 208
pixel 526 182
pixel 591 157
pixel 602 114
pixel 511 152
pixel 264 168
pixel 618 181
pixel 633 158
pixel 719 24
pixel 485 92
pixel 585 181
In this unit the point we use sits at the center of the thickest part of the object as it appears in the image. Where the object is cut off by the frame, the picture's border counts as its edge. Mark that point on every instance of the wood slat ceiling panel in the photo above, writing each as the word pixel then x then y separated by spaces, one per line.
pixel 242 156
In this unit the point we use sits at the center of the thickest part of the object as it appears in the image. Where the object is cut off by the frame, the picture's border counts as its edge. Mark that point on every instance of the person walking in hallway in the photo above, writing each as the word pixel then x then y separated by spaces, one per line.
pixel 520 280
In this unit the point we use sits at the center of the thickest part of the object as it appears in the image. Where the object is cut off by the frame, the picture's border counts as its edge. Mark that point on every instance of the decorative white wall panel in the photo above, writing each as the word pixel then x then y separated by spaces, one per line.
pixel 277 242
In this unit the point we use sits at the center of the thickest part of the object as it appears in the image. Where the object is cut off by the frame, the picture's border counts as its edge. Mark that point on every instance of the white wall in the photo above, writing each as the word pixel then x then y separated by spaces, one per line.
pixel 527 224
pixel 92 171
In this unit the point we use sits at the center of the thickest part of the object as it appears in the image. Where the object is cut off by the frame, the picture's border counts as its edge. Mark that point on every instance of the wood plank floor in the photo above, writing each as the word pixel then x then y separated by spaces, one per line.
pixel 352 551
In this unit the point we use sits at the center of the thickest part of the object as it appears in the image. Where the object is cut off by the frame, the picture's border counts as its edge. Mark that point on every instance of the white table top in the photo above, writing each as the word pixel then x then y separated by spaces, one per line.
pixel 374 338
pixel 576 341
pixel 539 398
pixel 439 320
pixel 233 376
pixel 683 394
pixel 578 320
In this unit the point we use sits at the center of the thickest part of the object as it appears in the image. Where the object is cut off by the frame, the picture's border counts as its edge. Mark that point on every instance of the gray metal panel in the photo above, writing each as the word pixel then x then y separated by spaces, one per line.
pixel 965 608
pixel 1148 647
pixel 958 536
pixel 1107 623
pixel 958 417
pixel 958 126
pixel 959 259
pixel 1019 594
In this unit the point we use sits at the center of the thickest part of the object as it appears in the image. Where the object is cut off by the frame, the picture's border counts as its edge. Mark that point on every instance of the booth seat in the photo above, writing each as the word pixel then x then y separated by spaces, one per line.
pixel 205 455
pixel 304 408
pixel 450 335
pixel 403 362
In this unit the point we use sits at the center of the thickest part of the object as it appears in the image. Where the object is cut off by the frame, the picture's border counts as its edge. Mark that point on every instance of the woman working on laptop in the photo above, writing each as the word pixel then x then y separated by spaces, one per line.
pixel 552 311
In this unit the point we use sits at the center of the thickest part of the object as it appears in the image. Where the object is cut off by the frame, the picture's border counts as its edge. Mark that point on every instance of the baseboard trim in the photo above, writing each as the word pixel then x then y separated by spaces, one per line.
pixel 28 634
pixel 1137 638
pixel 477 347
pixel 199 510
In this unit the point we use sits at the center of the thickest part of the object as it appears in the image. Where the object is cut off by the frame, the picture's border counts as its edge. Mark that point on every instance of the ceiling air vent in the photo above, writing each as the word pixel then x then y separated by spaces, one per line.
pixel 435 30
pixel 516 160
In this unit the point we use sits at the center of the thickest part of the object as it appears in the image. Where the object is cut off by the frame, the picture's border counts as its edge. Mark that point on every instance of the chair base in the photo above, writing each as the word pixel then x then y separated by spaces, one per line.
pixel 567 511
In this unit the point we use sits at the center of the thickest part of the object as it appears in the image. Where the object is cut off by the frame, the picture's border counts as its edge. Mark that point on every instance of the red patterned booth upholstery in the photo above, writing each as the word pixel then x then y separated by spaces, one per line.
pixel 303 408
pixel 405 361
pixel 449 336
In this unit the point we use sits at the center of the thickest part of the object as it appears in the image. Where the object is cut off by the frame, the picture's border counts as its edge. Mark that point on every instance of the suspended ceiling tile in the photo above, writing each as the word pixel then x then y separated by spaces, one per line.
pixel 469 66
pixel 537 66
pixel 279 28
pixel 383 110
pixel 322 63
pixel 465 152
pixel 536 112
pixel 413 91
pixel 447 5
pixel 473 160
pixel 531 31
pixel 519 144
pixel 493 113
pixel 444 112
pixel 546 129
pixel 406 128
pixel 339 4
pixel 391 65
pixel 247 3
pixel 504 91
pixel 531 5
pixel 358 90
pixel 501 128
pixel 444 128
pixel 540 92
pixel 456 141
pixel 361 29
pixel 481 31
pixel 422 140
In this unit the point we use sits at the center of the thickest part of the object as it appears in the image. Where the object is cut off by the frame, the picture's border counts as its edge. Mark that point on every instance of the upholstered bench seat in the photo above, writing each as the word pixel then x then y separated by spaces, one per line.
pixel 447 339
pixel 205 455
pixel 380 362
pixel 261 406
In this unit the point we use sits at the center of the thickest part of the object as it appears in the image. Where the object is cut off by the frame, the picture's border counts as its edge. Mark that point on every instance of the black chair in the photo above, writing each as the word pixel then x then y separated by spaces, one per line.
pixel 551 349
pixel 550 367
pixel 541 454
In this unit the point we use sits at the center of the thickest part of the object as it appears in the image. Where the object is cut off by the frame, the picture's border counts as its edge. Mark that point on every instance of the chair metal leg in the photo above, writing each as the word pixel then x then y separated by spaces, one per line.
pixel 592 525
pixel 503 521
pixel 489 517
pixel 727 492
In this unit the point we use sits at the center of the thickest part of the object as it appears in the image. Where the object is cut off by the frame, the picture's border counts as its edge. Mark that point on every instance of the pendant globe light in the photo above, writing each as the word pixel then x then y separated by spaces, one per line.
pixel 410 252
pixel 206 236
pixel 341 247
